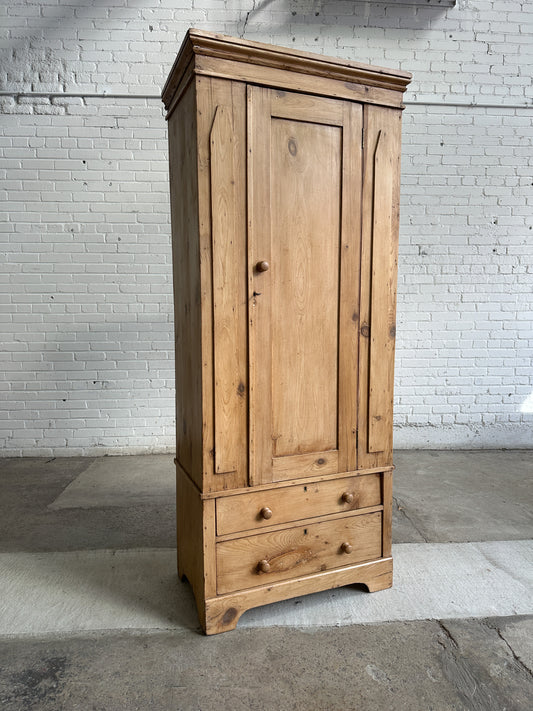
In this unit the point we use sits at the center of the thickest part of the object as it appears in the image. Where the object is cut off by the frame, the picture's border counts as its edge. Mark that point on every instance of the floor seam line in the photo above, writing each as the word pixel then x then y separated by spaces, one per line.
pixel 515 656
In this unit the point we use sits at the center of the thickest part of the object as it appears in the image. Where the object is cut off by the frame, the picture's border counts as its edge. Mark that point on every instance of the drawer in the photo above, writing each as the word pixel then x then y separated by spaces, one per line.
pixel 264 558
pixel 257 509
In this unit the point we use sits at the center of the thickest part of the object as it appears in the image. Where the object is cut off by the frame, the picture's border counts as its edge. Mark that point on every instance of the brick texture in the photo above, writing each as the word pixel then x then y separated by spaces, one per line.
pixel 85 285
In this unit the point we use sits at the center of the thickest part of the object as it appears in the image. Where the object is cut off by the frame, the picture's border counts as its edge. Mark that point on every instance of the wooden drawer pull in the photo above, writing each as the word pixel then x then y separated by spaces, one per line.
pixel 346 548
pixel 347 497
pixel 262 266
pixel 263 566
pixel 266 513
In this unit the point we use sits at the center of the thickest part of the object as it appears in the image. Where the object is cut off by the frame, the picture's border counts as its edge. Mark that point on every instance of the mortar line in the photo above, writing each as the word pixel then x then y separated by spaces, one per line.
pixel 157 97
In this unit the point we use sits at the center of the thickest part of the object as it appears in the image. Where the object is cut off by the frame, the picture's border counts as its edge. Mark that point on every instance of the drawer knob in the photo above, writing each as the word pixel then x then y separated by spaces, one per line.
pixel 263 566
pixel 347 497
pixel 346 548
pixel 262 266
pixel 266 513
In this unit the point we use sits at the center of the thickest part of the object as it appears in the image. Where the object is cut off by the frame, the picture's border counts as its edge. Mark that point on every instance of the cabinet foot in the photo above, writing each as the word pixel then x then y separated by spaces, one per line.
pixel 379 582
pixel 220 617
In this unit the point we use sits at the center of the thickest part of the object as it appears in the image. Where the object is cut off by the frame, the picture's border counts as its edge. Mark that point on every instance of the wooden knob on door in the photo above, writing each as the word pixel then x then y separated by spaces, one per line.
pixel 266 513
pixel 347 497
pixel 346 548
pixel 262 266
pixel 263 566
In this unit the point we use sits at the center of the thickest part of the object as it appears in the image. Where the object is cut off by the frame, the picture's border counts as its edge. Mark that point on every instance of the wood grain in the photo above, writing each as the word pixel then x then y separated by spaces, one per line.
pixel 284 205
pixel 283 484
pixel 304 465
pixel 379 256
pixel 297 551
pixel 241 513
pixel 191 563
pixel 308 83
pixel 181 87
pixel 195 538
pixel 387 513
pixel 222 612
pixel 222 238
pixel 305 176
pixel 259 286
pixel 382 305
pixel 256 62
pixel 186 279
pixel 228 312
pixel 349 285
pixel 304 213
pixel 290 524
pixel 301 107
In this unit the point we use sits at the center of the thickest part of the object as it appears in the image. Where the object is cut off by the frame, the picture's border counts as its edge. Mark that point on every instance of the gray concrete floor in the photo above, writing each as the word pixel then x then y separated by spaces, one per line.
pixel 72 518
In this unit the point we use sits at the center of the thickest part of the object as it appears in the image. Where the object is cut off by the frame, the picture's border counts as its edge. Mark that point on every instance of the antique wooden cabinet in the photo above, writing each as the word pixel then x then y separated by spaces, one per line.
pixel 284 175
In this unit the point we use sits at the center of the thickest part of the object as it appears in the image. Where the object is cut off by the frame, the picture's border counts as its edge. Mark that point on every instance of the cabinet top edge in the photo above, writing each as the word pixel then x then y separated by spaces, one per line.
pixel 200 42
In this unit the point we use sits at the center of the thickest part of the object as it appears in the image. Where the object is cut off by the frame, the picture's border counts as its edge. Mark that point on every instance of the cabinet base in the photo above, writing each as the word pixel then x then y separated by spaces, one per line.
pixel 221 613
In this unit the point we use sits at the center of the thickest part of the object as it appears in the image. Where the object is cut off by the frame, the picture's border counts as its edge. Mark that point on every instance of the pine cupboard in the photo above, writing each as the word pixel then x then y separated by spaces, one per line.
pixel 284 182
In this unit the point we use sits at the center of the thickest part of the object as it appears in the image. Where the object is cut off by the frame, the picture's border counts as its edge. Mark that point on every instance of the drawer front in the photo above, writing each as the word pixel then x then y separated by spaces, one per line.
pixel 279 555
pixel 257 509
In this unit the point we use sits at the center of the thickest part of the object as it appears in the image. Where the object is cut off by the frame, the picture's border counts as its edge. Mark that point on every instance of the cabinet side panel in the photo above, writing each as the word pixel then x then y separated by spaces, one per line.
pixel 195 540
pixel 186 276
pixel 221 115
pixel 378 283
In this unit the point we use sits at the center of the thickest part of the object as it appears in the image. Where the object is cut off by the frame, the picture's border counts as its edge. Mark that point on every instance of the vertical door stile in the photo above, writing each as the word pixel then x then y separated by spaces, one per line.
pixel 363 459
pixel 259 295
pixel 349 290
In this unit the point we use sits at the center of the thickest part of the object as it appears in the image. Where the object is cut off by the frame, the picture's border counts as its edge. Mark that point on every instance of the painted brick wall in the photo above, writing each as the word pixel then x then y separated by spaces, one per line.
pixel 85 289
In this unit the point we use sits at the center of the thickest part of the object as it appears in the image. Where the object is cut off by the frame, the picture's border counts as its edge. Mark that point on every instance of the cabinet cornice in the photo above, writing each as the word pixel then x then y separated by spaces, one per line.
pixel 198 43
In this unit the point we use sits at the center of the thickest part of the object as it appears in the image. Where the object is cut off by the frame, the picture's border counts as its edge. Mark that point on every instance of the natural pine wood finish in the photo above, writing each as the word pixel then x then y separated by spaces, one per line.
pixel 228 312
pixel 254 62
pixel 222 612
pixel 282 484
pixel 196 539
pixel 309 521
pixel 221 145
pixel 284 177
pixel 304 218
pixel 243 512
pixel 379 257
pixel 187 301
pixel 300 550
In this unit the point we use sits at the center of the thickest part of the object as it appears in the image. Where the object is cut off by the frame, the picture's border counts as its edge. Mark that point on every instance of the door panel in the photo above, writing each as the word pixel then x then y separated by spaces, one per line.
pixel 304 175
pixel 305 190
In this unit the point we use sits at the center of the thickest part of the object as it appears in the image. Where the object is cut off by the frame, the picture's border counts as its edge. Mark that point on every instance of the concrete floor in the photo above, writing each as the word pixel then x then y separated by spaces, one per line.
pixel 93 617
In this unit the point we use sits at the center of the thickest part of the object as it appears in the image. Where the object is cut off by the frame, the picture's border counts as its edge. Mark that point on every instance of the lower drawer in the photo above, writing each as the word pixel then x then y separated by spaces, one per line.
pixel 279 555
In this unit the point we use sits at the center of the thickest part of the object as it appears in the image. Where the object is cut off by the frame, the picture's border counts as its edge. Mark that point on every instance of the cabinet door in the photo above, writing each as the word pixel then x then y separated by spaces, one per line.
pixel 304 194
pixel 379 256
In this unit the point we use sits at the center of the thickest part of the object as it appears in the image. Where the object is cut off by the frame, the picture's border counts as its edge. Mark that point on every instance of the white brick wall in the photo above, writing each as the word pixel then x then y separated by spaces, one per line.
pixel 86 285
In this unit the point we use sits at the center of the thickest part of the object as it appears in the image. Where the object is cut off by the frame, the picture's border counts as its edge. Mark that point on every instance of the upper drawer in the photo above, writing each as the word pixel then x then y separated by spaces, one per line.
pixel 257 509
